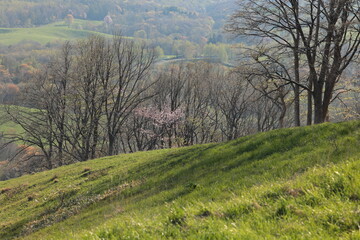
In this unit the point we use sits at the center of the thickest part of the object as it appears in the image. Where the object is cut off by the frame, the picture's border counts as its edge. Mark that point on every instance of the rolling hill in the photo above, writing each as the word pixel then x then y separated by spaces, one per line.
pixel 58 31
pixel 301 183
pixel 194 20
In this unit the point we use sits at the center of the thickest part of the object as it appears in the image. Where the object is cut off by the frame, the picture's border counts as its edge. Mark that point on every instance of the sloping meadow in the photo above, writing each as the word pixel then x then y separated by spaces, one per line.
pixel 301 183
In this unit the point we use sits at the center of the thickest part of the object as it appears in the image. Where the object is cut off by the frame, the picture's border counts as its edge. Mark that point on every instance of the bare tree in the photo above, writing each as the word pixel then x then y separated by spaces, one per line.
pixel 197 103
pixel 265 113
pixel 269 74
pixel 87 97
pixel 81 100
pixel 59 77
pixel 129 86
pixel 36 124
pixel 232 99
pixel 326 32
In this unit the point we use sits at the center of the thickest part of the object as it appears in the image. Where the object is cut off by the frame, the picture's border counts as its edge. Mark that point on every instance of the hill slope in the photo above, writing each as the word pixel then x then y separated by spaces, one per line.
pixel 301 183
pixel 157 19
pixel 46 34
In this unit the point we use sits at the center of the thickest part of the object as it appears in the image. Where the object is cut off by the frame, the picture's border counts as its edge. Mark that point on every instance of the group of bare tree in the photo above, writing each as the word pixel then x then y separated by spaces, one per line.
pixel 199 103
pixel 302 45
pixel 102 97
pixel 81 100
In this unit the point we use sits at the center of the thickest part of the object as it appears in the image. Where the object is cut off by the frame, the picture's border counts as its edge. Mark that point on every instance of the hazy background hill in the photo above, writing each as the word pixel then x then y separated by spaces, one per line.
pixel 193 20
pixel 30 30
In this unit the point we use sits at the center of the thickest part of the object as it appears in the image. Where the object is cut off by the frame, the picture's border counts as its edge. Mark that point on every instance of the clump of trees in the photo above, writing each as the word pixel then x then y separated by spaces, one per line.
pixel 80 101
pixel 9 93
pixel 101 97
pixel 304 46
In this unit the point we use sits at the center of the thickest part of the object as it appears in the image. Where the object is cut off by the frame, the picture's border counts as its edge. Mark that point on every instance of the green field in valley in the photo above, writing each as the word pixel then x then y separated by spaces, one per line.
pixel 7 126
pixel 58 31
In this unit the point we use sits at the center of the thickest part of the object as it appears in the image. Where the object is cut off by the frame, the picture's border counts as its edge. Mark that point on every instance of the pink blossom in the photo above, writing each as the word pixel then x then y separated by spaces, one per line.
pixel 108 19
pixel 164 117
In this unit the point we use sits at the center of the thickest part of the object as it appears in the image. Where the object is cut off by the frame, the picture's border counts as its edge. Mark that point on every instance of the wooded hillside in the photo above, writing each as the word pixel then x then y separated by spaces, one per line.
pixel 150 19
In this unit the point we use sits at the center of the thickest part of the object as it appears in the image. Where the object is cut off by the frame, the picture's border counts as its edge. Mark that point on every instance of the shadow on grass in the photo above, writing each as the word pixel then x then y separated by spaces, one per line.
pixel 179 172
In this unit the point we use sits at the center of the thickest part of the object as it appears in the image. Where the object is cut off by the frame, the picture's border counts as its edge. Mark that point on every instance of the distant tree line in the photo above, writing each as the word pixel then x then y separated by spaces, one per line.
pixel 156 20
pixel 20 62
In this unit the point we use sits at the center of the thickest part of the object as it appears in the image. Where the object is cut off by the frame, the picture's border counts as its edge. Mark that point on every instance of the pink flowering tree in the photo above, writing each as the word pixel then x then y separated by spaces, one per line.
pixel 163 123
pixel 108 20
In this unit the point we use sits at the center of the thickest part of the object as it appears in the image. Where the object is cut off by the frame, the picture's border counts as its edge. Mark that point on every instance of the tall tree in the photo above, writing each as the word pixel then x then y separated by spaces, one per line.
pixel 325 32
pixel 128 86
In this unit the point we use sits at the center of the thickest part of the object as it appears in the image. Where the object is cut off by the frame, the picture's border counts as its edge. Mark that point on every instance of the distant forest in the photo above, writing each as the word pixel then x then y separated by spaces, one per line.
pixel 175 29
pixel 192 20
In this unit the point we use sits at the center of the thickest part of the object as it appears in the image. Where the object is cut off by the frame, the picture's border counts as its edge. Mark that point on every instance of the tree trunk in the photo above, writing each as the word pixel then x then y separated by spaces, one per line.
pixel 111 144
pixel 309 109
pixel 297 80
pixel 309 105
pixel 318 107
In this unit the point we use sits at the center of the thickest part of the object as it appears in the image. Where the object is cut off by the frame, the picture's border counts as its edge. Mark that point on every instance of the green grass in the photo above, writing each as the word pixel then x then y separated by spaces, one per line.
pixel 301 183
pixel 7 126
pixel 49 33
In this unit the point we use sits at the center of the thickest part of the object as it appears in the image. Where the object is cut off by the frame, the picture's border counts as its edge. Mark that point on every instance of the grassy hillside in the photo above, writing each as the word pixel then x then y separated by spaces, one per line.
pixel 301 183
pixel 48 33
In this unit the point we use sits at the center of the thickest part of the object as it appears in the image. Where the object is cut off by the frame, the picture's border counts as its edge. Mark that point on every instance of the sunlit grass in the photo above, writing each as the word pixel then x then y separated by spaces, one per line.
pixel 58 31
pixel 301 183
